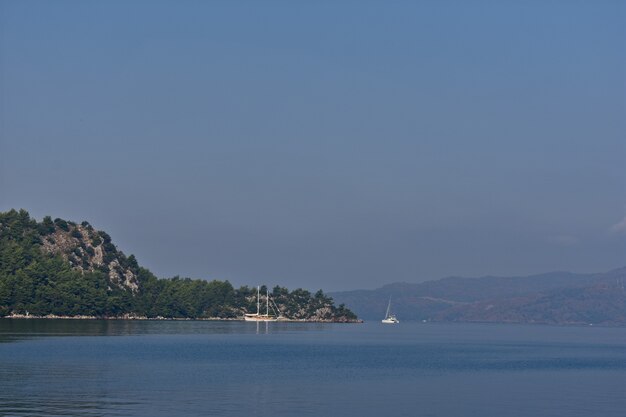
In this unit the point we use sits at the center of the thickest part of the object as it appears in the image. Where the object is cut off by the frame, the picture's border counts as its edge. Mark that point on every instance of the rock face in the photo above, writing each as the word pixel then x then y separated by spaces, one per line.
pixel 301 305
pixel 89 250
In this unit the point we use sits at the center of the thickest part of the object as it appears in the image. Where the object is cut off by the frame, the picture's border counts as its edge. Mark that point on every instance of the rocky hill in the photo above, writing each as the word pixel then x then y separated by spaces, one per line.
pixel 89 250
pixel 553 298
pixel 60 268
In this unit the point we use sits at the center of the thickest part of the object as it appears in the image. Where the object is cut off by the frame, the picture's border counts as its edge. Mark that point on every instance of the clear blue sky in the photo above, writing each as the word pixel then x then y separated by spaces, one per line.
pixel 323 144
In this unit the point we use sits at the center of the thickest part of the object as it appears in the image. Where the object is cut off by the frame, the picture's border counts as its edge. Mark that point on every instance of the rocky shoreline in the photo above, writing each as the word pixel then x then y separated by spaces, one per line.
pixel 159 318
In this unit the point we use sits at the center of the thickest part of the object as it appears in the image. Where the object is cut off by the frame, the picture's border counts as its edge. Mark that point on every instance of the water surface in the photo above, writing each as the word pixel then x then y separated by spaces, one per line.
pixel 200 368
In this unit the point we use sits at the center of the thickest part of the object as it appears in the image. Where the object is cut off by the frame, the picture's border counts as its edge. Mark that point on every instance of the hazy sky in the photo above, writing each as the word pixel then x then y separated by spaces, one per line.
pixel 323 144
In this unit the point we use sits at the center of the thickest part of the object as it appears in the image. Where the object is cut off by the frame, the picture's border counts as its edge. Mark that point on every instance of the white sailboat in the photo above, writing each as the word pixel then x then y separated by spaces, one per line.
pixel 389 317
pixel 258 316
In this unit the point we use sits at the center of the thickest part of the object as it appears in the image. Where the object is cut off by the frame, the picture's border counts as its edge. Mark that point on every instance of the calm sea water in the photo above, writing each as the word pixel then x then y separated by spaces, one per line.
pixel 137 368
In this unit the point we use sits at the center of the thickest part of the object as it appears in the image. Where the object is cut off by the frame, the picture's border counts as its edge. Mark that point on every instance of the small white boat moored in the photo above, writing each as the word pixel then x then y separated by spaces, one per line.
pixel 389 317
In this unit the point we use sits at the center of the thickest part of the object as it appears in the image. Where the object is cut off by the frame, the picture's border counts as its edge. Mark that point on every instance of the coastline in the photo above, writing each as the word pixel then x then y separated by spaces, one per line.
pixel 159 318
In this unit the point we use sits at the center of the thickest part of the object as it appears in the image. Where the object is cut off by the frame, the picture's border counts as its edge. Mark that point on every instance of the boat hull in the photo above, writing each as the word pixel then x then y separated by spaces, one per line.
pixel 257 318
pixel 390 321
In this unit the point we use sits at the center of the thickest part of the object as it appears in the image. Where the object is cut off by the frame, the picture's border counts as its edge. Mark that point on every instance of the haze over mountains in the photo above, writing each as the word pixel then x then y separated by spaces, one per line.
pixel 551 298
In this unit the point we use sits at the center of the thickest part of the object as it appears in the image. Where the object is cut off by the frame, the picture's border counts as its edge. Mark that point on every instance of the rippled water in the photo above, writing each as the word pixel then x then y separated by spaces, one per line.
pixel 140 368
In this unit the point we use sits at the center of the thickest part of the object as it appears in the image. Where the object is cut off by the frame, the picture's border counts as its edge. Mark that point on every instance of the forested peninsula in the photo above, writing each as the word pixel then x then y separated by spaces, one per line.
pixel 58 268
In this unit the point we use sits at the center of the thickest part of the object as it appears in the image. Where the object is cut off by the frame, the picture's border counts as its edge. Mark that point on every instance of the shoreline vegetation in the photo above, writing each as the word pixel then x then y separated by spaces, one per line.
pixel 16 316
pixel 61 269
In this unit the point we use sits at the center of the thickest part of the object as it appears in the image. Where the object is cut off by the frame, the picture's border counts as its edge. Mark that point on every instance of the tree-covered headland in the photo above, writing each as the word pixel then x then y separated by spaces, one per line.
pixel 61 268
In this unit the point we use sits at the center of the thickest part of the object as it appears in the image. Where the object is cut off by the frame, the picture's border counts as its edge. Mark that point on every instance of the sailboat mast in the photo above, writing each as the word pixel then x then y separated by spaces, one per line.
pixel 388 307
pixel 258 300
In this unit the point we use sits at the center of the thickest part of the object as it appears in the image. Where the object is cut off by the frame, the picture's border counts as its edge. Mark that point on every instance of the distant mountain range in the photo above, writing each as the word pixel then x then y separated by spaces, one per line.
pixel 551 298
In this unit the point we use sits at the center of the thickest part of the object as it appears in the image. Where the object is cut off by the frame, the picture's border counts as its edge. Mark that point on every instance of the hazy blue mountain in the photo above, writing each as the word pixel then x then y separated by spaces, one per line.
pixel 555 297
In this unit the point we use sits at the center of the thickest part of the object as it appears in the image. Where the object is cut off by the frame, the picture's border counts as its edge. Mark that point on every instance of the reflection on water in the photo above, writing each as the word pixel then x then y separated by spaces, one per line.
pixel 74 406
pixel 186 368
pixel 45 389
pixel 265 328
pixel 16 329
